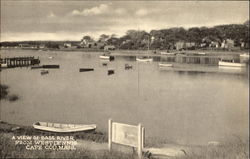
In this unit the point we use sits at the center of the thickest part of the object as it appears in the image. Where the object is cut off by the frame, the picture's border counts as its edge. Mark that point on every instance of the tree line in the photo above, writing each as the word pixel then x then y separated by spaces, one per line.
pixel 167 38
pixel 163 38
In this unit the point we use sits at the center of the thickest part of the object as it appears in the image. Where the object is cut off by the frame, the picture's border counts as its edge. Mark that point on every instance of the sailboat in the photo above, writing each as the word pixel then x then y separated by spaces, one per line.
pixel 145 59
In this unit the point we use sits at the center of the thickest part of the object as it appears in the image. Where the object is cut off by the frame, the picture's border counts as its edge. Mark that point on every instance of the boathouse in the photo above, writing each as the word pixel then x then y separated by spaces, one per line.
pixel 109 47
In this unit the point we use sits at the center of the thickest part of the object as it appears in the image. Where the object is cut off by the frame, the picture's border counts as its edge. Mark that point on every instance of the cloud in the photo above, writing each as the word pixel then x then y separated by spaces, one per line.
pixel 102 8
pixel 141 12
pixel 120 11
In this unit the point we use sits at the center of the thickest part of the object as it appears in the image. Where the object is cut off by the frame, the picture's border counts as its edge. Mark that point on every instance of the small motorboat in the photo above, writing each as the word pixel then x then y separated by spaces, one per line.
pixel 4 65
pixel 111 71
pixel 85 69
pixel 127 66
pixel 231 64
pixel 167 53
pixel 63 128
pixel 144 59
pixel 43 72
pixel 107 57
pixel 201 53
pixel 165 65
pixel 245 55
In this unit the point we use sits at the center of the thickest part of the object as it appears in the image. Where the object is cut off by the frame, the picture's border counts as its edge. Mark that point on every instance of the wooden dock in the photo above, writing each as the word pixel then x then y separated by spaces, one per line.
pixel 19 61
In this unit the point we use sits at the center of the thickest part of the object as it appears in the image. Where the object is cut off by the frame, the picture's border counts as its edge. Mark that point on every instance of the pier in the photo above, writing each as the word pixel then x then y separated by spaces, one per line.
pixel 19 61
pixel 211 60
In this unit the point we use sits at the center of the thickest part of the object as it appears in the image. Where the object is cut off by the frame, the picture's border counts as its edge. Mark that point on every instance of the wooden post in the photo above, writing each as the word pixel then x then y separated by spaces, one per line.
pixel 139 141
pixel 143 137
pixel 110 135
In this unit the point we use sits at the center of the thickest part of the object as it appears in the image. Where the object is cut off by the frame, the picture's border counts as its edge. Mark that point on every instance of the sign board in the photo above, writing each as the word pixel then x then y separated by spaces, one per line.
pixel 124 134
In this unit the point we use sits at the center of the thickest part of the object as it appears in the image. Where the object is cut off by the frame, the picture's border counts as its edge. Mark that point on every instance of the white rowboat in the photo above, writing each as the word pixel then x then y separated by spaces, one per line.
pixel 231 64
pixel 165 65
pixel 63 128
pixel 104 57
pixel 144 59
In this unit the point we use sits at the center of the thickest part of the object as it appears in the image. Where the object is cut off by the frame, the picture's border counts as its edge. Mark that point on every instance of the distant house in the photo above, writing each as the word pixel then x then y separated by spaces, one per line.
pixel 214 44
pixel 91 44
pixel 101 45
pixel 227 44
pixel 126 41
pixel 109 47
pixel 184 45
pixel 180 45
pixel 189 45
pixel 24 45
pixel 242 45
pixel 67 45
pixel 42 46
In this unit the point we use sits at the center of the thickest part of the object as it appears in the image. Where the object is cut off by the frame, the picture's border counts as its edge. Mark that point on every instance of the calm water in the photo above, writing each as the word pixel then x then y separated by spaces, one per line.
pixel 188 104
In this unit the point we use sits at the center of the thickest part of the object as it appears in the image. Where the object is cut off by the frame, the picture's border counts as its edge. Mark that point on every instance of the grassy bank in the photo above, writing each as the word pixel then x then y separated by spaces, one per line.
pixel 236 148
pixel 10 150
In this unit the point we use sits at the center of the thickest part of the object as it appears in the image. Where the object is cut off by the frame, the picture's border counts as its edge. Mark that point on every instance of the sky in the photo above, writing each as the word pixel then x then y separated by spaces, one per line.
pixel 71 20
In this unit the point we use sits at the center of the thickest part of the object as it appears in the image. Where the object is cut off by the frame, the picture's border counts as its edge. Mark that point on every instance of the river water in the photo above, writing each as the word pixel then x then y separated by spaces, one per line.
pixel 187 104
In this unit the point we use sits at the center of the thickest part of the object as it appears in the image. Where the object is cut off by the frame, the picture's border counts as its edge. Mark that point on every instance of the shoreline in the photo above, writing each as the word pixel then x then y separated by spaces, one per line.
pixel 154 53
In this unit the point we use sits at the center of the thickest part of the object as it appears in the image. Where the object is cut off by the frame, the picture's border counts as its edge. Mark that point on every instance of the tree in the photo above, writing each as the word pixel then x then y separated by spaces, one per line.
pixel 87 38
pixel 103 38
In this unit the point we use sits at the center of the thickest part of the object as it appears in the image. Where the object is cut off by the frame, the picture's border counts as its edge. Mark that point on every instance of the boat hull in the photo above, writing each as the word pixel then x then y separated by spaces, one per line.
pixel 62 128
pixel 85 69
pixel 231 64
pixel 165 65
pixel 104 57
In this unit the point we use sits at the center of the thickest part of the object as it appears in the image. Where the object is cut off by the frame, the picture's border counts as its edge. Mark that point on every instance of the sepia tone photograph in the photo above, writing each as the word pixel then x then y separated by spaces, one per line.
pixel 124 79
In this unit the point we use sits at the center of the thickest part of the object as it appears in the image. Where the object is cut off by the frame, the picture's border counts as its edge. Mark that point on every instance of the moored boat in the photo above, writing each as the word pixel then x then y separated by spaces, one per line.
pixel 144 59
pixel 111 71
pixel 85 69
pixel 201 53
pixel 43 72
pixel 51 66
pixel 167 53
pixel 105 57
pixel 127 66
pixel 244 55
pixel 231 64
pixel 4 65
pixel 165 65
pixel 63 128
